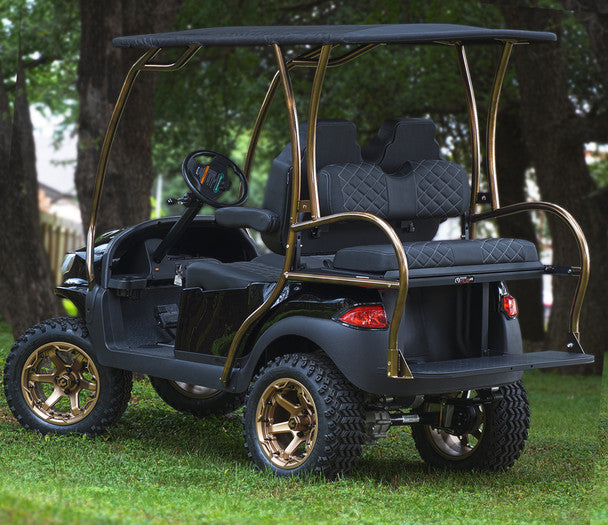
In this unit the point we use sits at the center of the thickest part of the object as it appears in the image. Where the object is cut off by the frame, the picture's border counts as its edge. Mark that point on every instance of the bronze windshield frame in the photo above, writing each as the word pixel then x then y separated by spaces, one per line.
pixel 320 59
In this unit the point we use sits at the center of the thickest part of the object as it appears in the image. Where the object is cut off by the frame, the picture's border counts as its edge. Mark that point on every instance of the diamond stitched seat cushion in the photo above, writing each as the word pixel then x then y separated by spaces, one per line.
pixel 436 254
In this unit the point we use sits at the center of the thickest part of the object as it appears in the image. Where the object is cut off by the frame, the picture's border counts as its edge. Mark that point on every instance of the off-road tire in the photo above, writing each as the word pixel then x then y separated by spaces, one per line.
pixel 114 386
pixel 216 404
pixel 505 431
pixel 339 415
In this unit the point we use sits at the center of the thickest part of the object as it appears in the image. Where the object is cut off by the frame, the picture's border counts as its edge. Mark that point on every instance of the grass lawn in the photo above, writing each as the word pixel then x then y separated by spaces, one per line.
pixel 159 466
pixel 600 514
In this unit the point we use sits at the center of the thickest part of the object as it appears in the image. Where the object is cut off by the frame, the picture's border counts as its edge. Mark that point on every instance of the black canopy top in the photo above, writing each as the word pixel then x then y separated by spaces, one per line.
pixel 330 34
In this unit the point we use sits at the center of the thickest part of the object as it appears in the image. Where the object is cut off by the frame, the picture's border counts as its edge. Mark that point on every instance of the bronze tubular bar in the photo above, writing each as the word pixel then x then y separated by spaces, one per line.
pixel 311 141
pixel 290 104
pixel 141 65
pixel 396 365
pixel 304 60
pixel 335 62
pixel 583 279
pixel 263 113
pixel 491 126
pixel 474 122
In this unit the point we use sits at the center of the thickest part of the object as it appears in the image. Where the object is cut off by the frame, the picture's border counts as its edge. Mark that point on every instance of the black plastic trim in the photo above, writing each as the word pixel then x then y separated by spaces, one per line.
pixel 498 364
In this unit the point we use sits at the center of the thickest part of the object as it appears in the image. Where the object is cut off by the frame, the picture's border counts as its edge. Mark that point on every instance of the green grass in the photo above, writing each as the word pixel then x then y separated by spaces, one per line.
pixel 160 466
pixel 600 513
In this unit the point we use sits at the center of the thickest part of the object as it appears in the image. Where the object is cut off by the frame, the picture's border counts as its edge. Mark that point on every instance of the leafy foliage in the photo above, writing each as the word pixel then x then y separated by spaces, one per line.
pixel 49 35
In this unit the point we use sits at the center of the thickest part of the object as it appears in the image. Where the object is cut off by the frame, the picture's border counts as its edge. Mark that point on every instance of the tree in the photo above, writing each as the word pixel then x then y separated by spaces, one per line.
pixel 25 275
pixel 101 71
pixel 556 132
pixel 26 284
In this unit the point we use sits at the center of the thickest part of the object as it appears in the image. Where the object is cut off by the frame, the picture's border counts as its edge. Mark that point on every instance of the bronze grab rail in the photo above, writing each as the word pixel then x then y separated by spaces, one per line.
pixel 396 365
pixel 583 280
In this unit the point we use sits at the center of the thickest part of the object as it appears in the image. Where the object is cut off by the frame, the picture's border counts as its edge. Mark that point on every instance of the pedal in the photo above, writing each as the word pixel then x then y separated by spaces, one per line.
pixel 166 315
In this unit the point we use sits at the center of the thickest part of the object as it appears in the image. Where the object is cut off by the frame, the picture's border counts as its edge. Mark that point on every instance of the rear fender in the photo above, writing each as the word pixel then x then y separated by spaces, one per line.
pixel 356 352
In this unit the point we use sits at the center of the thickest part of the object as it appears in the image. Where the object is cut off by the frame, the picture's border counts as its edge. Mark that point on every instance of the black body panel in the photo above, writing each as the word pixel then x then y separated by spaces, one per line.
pixel 209 320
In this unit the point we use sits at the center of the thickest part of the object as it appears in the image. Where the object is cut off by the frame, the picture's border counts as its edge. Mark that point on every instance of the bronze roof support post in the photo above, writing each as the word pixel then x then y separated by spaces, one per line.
pixel 142 64
pixel 292 115
pixel 474 123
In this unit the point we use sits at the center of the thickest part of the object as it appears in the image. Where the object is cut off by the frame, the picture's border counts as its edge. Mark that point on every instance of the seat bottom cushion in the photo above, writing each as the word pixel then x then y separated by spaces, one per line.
pixel 436 254
pixel 215 275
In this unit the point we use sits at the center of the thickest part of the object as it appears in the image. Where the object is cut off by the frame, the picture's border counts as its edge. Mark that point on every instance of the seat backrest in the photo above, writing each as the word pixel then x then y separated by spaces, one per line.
pixel 400 177
pixel 399 140
pixel 336 142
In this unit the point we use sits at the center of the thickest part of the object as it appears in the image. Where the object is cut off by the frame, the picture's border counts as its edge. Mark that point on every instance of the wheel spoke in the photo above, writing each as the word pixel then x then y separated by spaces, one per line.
pixel 78 362
pixel 87 385
pixel 295 442
pixel 74 405
pixel 476 433
pixel 53 398
pixel 279 428
pixel 304 403
pixel 464 440
pixel 42 378
pixel 287 405
pixel 57 361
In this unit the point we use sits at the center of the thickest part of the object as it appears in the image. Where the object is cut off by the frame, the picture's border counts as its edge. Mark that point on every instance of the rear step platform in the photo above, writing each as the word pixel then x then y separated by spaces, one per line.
pixel 498 363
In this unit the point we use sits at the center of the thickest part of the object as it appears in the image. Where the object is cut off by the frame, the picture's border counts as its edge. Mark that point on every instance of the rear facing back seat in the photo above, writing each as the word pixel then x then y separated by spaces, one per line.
pixel 436 254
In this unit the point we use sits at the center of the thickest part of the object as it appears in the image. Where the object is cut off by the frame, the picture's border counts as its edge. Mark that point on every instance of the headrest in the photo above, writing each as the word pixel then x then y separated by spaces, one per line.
pixel 336 142
pixel 402 139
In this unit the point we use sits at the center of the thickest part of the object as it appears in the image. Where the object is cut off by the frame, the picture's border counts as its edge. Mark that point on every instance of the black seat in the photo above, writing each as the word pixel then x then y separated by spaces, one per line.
pixel 215 275
pixel 437 254
pixel 400 177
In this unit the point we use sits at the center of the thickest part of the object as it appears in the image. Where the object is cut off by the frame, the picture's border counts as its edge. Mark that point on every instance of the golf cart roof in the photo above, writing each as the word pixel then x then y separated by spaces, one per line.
pixel 331 34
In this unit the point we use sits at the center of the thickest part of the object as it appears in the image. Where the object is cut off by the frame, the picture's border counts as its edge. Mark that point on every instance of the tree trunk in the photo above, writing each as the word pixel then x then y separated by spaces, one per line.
pixel 512 160
pixel 557 149
pixel 101 71
pixel 26 284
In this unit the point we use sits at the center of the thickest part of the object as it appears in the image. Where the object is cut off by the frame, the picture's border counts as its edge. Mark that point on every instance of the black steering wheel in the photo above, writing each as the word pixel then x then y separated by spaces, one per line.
pixel 209 181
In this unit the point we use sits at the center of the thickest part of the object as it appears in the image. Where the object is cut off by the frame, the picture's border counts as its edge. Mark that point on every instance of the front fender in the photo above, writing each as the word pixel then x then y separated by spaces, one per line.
pixel 77 294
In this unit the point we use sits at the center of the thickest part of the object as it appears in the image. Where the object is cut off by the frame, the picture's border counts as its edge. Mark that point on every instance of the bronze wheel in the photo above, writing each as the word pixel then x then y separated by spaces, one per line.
pixel 53 382
pixel 302 416
pixel 286 428
pixel 60 383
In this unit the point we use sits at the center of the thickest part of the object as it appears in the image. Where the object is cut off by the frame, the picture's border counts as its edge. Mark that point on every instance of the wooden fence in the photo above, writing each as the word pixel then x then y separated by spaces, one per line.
pixel 59 237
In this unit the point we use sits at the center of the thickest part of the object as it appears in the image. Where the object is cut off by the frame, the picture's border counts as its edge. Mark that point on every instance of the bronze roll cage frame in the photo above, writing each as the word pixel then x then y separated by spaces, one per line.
pixel 319 58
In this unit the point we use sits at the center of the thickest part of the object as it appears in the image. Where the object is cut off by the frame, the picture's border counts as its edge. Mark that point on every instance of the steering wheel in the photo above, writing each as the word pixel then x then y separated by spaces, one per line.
pixel 209 181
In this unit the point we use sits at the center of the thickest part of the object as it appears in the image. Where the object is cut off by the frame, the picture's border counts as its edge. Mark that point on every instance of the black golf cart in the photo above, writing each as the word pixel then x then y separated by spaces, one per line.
pixel 315 337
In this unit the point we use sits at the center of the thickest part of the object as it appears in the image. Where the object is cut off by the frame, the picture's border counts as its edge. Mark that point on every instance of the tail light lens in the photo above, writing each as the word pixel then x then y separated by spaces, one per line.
pixel 509 306
pixel 366 317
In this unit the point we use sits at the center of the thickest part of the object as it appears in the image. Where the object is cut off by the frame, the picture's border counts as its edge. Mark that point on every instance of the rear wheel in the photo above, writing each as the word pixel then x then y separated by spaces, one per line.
pixel 195 399
pixel 481 437
pixel 53 383
pixel 303 416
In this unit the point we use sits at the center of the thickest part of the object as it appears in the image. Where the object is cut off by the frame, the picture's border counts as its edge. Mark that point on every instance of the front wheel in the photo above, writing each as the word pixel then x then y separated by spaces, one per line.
pixel 303 416
pixel 53 383
pixel 488 436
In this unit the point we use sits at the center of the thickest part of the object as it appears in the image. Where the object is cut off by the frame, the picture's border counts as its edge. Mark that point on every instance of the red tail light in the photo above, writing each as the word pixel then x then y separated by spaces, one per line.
pixel 509 306
pixel 366 317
